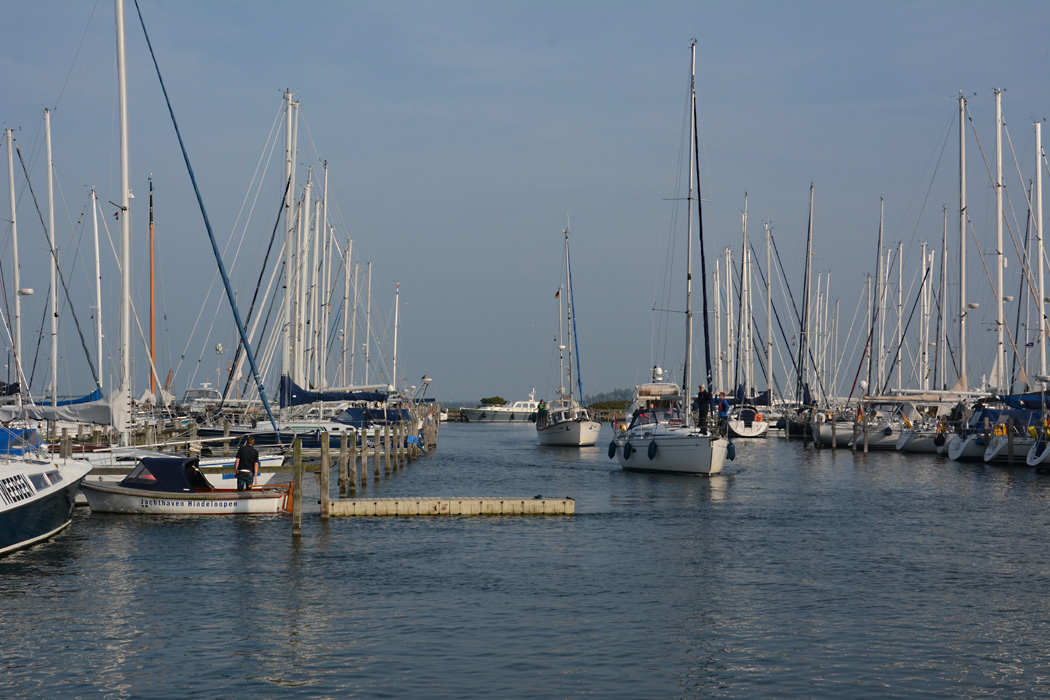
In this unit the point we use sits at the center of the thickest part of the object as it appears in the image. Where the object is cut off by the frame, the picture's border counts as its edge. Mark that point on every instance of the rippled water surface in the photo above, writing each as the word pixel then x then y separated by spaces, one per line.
pixel 796 573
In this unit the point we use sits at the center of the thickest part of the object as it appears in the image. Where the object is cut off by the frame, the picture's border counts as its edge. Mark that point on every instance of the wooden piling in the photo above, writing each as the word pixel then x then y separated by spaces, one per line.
pixel 386 450
pixel 834 438
pixel 364 458
pixel 297 487
pixel 66 449
pixel 344 472
pixel 326 468
pixel 1010 440
pixel 377 440
pixel 351 464
pixel 867 420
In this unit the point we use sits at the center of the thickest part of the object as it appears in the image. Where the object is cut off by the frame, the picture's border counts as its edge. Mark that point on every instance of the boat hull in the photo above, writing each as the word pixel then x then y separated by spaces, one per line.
pixel 842 436
pixel 26 521
pixel 676 452
pixel 967 449
pixel 998 450
pixel 488 415
pixel 572 433
pixel 748 429
pixel 919 441
pixel 1038 453
pixel 110 498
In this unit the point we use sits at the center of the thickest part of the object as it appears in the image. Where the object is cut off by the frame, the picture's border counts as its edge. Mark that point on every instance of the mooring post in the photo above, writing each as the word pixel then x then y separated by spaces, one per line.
pixel 867 420
pixel 343 469
pixel 834 437
pixel 352 465
pixel 386 450
pixel 364 457
pixel 1010 440
pixel 399 443
pixel 226 434
pixel 377 445
pixel 193 436
pixel 326 471
pixel 66 449
pixel 297 487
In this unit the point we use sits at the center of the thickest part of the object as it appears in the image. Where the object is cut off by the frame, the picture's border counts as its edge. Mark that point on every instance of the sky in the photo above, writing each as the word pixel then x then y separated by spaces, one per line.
pixel 462 137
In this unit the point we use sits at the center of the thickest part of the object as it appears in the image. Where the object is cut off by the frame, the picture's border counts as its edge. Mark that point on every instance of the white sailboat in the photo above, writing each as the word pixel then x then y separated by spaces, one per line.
pixel 661 436
pixel 565 422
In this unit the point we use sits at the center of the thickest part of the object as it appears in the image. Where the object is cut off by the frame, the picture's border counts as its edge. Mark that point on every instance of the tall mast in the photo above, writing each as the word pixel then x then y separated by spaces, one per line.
pixel 346 309
pixel 924 329
pixel 322 326
pixel 125 229
pixel 368 323
pixel 803 366
pixel 880 293
pixel 744 323
pixel 769 319
pixel 53 259
pixel 687 373
pixel 1000 316
pixel 1039 243
pixel 942 326
pixel 17 272
pixel 562 345
pixel 900 307
pixel 289 239
pixel 720 363
pixel 962 243
pixel 152 307
pixel 397 303
pixel 98 286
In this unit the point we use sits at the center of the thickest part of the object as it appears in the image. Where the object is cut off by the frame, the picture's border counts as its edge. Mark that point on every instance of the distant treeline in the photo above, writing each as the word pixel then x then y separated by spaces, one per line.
pixel 624 396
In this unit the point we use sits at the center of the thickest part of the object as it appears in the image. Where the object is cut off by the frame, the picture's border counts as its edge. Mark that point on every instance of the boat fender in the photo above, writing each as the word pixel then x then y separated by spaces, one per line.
pixel 939 440
pixel 731 451
pixel 887 430
pixel 612 449
pixel 627 450
pixel 652 449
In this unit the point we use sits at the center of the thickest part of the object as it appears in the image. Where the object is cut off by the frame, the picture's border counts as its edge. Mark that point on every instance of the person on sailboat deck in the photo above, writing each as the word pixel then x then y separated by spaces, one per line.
pixel 246 465
pixel 702 406
pixel 723 412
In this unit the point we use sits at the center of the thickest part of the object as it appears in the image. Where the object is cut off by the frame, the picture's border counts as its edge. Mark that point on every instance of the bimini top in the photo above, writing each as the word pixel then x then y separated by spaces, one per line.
pixel 167 474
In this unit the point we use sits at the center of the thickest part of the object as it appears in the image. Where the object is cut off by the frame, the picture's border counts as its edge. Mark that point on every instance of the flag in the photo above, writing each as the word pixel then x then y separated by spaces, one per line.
pixel 557 294
pixel 1030 344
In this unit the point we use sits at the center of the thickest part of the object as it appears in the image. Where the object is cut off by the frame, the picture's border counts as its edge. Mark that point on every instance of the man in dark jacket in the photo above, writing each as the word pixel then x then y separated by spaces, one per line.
pixel 702 406
pixel 246 466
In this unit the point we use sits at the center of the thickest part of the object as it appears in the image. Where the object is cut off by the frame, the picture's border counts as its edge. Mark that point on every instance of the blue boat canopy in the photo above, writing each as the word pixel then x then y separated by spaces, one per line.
pixel 291 394
pixel 167 474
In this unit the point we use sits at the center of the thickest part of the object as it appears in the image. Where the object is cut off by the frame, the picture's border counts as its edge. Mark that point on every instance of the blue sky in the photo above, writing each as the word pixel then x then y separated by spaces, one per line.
pixel 461 135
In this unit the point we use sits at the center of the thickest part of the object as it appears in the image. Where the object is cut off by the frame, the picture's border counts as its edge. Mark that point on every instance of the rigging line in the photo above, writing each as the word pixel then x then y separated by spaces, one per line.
pixel 856 312
pixel 703 256
pixel 39 342
pixel 776 314
pixel 255 295
pixel 61 276
pixel 211 235
pixel 1022 278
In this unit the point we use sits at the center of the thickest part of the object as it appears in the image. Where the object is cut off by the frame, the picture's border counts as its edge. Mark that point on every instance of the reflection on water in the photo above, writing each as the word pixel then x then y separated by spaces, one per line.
pixel 795 573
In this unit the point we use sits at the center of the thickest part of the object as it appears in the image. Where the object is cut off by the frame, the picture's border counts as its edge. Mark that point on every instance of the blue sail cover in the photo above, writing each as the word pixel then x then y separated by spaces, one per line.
pixel 93 396
pixel 1032 400
pixel 292 394
pixel 18 442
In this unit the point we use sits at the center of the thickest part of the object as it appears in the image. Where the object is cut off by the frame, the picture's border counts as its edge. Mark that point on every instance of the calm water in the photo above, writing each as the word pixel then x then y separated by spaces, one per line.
pixel 795 574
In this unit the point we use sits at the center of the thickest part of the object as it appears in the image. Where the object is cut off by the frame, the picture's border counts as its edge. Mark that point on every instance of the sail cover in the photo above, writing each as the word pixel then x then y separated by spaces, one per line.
pixel 292 394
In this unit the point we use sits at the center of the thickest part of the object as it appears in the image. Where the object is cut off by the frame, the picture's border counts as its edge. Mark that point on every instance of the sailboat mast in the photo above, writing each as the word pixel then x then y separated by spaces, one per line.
pixel 803 366
pixel 1039 243
pixel 98 286
pixel 53 259
pixel 562 345
pixel 397 303
pixel 962 242
pixel 346 309
pixel 17 272
pixel 900 307
pixel 152 306
pixel 289 238
pixel 368 323
pixel 769 319
pixel 125 228
pixel 687 378
pixel 720 357
pixel 942 326
pixel 700 231
pixel 1000 316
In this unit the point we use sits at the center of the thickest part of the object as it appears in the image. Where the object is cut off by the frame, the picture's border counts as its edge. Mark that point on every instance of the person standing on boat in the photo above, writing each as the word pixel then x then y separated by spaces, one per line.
pixel 246 465
pixel 702 405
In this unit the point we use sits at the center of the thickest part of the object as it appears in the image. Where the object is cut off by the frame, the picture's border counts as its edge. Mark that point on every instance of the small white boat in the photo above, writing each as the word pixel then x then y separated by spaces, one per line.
pixel 176 486
pixel 117 463
pixel 967 448
pixel 516 412
pixel 36 494
pixel 747 422
pixel 567 426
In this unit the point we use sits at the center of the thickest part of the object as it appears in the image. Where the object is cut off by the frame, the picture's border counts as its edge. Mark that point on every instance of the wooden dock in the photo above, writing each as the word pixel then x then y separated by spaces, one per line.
pixel 451 506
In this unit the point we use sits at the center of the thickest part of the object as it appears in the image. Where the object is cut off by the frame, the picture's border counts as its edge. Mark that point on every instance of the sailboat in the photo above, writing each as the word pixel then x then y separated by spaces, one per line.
pixel 661 436
pixel 565 422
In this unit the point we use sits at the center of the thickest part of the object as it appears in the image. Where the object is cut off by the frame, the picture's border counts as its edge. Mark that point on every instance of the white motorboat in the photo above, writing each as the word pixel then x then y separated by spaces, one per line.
pixel 114 463
pixel 176 486
pixel 746 422
pixel 564 422
pixel 37 492
pixel 516 412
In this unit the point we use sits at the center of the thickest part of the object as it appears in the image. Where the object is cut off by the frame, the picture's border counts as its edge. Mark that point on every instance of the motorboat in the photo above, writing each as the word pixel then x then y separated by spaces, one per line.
pixel 115 463
pixel 747 422
pixel 516 412
pixel 37 492
pixel 176 486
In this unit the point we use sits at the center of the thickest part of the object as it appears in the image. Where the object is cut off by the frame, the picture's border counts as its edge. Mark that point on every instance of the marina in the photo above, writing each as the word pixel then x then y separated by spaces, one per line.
pixel 795 572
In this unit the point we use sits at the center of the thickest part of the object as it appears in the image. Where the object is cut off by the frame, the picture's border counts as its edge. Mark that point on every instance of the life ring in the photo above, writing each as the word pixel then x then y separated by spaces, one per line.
pixel 652 450
pixel 612 449
pixel 627 450
pixel 758 417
